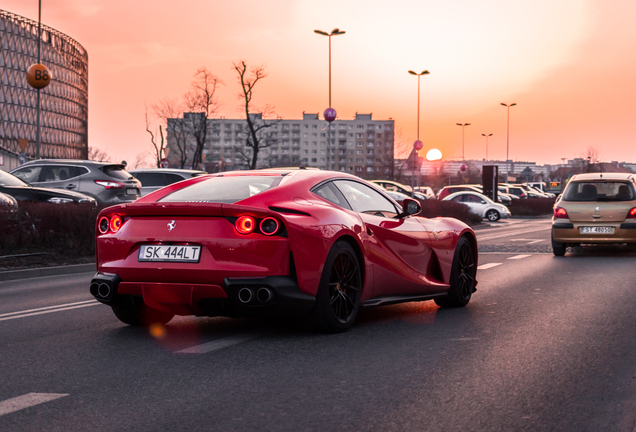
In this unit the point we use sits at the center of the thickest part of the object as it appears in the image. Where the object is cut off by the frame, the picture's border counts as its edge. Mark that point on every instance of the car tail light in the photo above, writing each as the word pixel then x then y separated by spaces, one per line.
pixel 104 224
pixel 560 212
pixel 632 213
pixel 110 184
pixel 245 224
pixel 269 226
pixel 115 223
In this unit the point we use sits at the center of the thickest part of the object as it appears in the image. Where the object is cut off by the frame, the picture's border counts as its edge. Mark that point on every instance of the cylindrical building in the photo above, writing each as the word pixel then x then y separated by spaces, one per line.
pixel 63 104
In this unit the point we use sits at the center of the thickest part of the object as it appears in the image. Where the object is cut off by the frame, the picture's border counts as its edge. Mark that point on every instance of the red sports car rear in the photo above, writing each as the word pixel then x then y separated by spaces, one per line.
pixel 314 243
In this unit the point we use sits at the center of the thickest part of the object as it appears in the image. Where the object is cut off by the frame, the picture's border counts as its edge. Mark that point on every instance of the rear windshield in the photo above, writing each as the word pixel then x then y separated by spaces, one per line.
pixel 227 190
pixel 599 191
pixel 117 172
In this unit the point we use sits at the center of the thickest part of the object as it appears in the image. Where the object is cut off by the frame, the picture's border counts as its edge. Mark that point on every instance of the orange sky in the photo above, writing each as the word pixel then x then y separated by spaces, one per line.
pixel 568 64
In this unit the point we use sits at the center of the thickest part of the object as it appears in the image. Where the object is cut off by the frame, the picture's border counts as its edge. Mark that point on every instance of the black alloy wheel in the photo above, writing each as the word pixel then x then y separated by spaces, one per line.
pixel 338 298
pixel 462 279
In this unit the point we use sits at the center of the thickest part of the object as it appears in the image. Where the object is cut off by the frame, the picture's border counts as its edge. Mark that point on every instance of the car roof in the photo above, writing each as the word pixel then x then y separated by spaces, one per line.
pixel 603 176
pixel 70 161
pixel 167 170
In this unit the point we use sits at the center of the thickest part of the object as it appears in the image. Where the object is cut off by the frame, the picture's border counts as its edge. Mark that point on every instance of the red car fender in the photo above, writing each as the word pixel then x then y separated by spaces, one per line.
pixel 311 241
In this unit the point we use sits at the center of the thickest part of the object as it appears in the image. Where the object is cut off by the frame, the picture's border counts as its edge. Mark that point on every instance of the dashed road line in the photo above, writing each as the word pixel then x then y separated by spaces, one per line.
pixel 516 257
pixel 46 310
pixel 28 400
pixel 218 344
pixel 513 233
pixel 487 266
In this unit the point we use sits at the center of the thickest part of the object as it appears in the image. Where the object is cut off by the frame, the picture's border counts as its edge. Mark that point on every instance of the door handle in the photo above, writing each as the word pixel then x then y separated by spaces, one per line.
pixel 70 186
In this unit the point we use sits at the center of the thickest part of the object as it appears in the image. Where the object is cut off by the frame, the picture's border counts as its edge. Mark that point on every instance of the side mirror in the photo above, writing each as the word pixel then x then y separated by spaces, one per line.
pixel 410 207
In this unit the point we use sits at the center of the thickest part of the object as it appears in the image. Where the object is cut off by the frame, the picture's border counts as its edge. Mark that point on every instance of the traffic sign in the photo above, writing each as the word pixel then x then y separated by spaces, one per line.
pixel 164 163
pixel 22 158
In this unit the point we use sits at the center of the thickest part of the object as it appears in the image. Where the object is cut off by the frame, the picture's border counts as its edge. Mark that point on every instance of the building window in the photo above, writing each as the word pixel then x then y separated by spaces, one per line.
pixel 359 160
pixel 360 144
pixel 358 169
pixel 359 152
pixel 359 135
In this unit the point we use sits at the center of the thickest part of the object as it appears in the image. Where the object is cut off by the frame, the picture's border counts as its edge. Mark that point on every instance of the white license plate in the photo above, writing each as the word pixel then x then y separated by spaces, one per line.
pixel 169 253
pixel 131 191
pixel 597 230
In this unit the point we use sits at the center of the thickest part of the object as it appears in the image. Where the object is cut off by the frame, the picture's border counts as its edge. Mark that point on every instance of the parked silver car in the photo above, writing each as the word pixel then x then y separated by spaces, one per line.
pixel 106 182
pixel 155 178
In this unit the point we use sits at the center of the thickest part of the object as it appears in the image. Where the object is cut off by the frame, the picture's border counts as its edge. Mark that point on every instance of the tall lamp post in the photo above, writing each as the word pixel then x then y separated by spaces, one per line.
pixel 417 145
pixel 330 113
pixel 489 135
pixel 508 138
pixel 463 125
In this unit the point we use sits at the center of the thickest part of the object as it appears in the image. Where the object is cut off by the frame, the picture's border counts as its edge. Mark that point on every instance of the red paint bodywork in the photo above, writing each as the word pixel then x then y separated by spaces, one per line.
pixel 399 256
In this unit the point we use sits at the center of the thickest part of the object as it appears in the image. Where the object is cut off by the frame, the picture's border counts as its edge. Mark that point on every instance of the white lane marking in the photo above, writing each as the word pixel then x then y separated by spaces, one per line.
pixel 218 344
pixel 525 240
pixel 519 257
pixel 487 266
pixel 47 307
pixel 28 400
pixel 60 309
pixel 511 234
pixel 536 241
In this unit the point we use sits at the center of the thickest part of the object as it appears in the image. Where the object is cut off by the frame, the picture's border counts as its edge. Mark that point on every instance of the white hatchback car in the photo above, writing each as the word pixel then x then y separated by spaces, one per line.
pixel 481 205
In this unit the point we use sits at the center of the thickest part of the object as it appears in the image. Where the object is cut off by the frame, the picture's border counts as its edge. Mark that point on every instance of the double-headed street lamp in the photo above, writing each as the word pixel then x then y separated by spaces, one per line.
pixel 330 113
pixel 489 135
pixel 508 138
pixel 463 125
pixel 417 145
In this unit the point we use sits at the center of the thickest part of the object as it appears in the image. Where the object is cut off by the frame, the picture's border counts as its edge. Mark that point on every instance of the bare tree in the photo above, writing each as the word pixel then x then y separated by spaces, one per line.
pixel 170 111
pixel 97 154
pixel 202 104
pixel 158 142
pixel 591 154
pixel 254 140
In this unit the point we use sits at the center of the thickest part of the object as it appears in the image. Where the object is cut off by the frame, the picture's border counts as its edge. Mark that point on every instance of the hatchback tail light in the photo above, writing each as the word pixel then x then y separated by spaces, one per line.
pixel 110 184
pixel 560 212
pixel 632 213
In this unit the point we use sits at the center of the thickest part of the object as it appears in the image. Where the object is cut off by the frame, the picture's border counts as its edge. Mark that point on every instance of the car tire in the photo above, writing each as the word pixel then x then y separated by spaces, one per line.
pixel 493 215
pixel 338 297
pixel 138 314
pixel 558 248
pixel 462 279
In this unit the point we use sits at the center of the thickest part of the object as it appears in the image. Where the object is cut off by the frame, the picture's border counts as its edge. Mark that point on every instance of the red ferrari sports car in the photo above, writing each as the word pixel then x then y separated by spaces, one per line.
pixel 311 242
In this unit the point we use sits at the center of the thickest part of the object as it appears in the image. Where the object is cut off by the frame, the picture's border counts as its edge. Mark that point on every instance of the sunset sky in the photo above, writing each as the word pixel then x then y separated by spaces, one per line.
pixel 570 66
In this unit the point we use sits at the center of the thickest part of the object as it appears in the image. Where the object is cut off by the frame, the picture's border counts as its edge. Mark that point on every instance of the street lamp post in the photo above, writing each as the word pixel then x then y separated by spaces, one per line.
pixel 330 113
pixel 417 145
pixel 463 125
pixel 508 138
pixel 489 135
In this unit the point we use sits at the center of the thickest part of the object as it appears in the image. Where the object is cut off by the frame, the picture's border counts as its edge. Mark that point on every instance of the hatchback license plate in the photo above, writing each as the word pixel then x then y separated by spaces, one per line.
pixel 131 192
pixel 169 253
pixel 597 230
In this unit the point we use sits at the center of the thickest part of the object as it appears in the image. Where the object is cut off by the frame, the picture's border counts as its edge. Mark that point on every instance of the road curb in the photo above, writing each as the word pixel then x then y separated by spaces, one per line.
pixel 46 271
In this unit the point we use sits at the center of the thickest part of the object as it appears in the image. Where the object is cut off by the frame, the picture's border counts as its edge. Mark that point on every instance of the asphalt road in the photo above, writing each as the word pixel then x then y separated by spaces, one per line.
pixel 546 344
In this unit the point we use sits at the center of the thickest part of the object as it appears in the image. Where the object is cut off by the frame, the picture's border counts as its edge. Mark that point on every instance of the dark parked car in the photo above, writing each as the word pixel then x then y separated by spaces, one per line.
pixel 22 191
pixel 106 182
pixel 155 178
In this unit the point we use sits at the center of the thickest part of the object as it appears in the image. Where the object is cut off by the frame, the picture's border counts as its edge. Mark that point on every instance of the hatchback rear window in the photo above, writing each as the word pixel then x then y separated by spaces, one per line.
pixel 599 191
pixel 117 172
pixel 227 190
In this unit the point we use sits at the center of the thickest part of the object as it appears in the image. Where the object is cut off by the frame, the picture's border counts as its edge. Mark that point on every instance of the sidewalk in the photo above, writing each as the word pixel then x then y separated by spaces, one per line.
pixel 46 271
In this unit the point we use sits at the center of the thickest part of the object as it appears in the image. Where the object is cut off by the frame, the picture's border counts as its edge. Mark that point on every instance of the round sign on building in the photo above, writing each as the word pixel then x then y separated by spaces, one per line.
pixel 38 76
